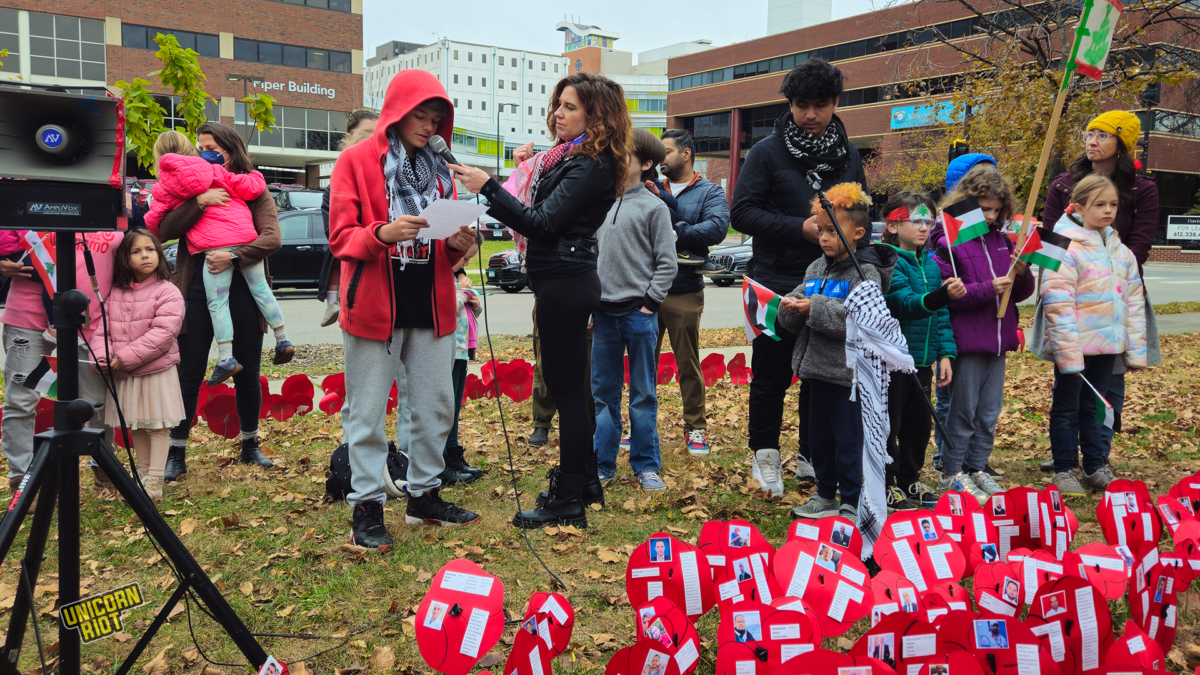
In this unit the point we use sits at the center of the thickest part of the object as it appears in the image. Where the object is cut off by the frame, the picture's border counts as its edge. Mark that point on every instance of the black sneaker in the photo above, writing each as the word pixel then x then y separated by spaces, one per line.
pixel 455 459
pixel 688 258
pixel 896 501
pixel 368 529
pixel 430 509
pixel 922 496
pixel 987 468
pixel 710 267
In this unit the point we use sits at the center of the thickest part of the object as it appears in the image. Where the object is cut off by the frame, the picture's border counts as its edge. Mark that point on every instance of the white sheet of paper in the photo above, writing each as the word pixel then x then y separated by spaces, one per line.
pixel 1145 603
pixel 1007 532
pixel 1170 616
pixel 795 605
pixel 919 645
pixel 980 527
pixel 841 598
pixel 1154 627
pixel 788 652
pixel 467 583
pixel 1053 630
pixel 914 668
pixel 1035 524
pixel 808 531
pixel 940 566
pixel 1086 608
pixel 1048 531
pixel 954 535
pixel 1030 580
pixel 643 572
pixel 912 571
pixel 1170 586
pixel 544 633
pixel 799 582
pixel 946 522
pixel 1060 546
pixel 1119 517
pixel 1136 644
pixel 551 605
pixel 727 590
pixel 716 561
pixel 535 662
pixel 687 655
pixel 994 604
pixel 1149 562
pixel 653 590
pixel 935 613
pixel 888 608
pixel 854 575
pixel 445 216
pixel 1102 562
pixel 693 606
pixel 473 636
pixel 744 668
pixel 760 579
pixel 1028 662
pixel 903 528
pixel 1147 527
pixel 785 631
pixel 958 606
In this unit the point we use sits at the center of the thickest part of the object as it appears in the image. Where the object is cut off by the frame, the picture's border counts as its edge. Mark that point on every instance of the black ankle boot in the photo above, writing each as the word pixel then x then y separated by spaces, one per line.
pixel 456 459
pixel 593 489
pixel 252 455
pixel 563 507
pixel 176 463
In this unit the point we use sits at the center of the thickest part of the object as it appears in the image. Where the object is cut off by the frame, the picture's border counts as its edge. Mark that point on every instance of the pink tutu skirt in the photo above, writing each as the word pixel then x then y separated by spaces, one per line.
pixel 149 402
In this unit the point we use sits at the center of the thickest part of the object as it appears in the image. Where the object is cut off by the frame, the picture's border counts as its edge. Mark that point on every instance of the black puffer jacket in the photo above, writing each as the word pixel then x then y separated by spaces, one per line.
pixel 771 202
pixel 570 204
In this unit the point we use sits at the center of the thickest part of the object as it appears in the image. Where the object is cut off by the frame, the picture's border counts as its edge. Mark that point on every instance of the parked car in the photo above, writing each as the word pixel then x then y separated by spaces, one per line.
pixel 493 229
pixel 140 189
pixel 504 270
pixel 295 200
pixel 297 263
pixel 877 230
pixel 732 258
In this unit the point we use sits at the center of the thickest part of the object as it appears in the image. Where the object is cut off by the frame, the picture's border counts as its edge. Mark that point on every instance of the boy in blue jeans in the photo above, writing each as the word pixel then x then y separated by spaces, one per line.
pixel 637 264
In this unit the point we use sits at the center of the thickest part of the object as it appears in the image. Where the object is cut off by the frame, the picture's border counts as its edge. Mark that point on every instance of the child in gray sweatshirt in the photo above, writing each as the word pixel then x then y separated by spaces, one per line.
pixel 636 265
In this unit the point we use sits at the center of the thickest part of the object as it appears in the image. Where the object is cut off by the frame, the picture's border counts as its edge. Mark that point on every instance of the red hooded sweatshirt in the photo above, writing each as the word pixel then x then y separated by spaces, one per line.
pixel 358 205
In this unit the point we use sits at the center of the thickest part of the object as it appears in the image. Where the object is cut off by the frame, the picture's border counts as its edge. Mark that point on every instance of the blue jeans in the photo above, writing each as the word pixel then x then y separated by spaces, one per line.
pixel 941 409
pixel 1116 397
pixel 1073 425
pixel 611 337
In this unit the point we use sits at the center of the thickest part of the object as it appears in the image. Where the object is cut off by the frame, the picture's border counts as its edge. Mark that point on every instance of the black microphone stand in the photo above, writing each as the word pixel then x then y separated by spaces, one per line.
pixel 814 181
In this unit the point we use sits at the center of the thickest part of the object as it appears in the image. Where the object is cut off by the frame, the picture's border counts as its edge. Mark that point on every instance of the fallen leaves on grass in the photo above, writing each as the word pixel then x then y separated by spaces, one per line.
pixel 158 665
pixel 188 526
pixel 382 660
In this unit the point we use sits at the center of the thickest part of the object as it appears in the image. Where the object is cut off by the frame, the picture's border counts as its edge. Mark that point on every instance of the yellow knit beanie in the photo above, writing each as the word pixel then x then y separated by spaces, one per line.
pixel 1123 125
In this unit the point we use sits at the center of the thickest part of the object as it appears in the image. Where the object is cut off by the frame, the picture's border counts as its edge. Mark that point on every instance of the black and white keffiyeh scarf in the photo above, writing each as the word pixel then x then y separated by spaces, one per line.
pixel 412 184
pixel 875 347
pixel 823 153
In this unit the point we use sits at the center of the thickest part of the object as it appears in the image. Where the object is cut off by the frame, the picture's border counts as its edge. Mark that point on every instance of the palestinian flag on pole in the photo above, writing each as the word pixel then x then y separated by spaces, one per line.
pixel 1045 248
pixel 41 255
pixel 44 378
pixel 762 306
pixel 964 221
pixel 1104 409
pixel 1093 37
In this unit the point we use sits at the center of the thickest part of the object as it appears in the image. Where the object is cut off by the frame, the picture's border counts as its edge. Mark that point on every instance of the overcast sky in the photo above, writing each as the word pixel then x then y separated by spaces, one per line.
pixel 529 24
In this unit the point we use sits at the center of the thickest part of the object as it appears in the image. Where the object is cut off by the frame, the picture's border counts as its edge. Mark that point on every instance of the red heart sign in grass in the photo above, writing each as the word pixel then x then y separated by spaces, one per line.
pixel 460 618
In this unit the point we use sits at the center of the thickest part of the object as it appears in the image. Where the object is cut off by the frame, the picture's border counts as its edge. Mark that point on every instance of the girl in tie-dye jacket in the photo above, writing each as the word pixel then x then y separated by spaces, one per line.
pixel 1094 315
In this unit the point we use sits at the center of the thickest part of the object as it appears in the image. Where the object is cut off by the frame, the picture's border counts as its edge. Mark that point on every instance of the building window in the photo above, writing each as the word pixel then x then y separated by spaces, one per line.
pixel 469 80
pixel 297 128
pixel 501 84
pixel 455 103
pixel 455 54
pixel 556 67
pixel 483 58
pixel 530 110
pixel 501 59
pixel 470 56
pixel 456 78
pixel 543 112
pixel 531 87
pixel 66 46
pixel 483 105
pixel 483 82
pixel 288 55
pixel 543 66
pixel 468 104
pixel 171 121
pixel 142 37
pixel 9 40
pixel 531 65
pixel 335 5
pixel 543 88
pixel 514 85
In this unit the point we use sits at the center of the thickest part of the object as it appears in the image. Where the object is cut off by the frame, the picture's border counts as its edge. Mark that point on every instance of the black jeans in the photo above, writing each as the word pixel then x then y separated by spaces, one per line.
pixel 1073 425
pixel 459 377
pixel 195 343
pixel 564 305
pixel 771 362
pixel 910 426
pixel 836 438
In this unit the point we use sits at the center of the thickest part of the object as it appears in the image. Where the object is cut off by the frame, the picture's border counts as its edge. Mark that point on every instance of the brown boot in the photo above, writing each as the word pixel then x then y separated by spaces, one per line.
pixel 14 484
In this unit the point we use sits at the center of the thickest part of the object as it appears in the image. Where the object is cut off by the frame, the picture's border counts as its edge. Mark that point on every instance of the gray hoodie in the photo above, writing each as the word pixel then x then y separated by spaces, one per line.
pixel 637 260
pixel 820 351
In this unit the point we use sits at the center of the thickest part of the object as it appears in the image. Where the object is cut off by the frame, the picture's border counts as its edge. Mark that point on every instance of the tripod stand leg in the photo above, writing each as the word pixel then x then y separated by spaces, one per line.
pixel 188 568
pixel 34 550
pixel 68 557
pixel 39 469
pixel 163 613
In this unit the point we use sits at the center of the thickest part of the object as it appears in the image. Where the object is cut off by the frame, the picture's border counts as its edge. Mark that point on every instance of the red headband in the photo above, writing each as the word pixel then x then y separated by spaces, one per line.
pixel 899 215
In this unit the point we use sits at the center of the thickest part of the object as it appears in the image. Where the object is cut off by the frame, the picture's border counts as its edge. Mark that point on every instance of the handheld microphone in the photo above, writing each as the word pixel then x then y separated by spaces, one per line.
pixel 438 144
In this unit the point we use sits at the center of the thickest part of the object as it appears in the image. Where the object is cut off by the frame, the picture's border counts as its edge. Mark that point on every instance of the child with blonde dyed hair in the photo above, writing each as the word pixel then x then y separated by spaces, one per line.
pixel 1094 314
pixel 815 311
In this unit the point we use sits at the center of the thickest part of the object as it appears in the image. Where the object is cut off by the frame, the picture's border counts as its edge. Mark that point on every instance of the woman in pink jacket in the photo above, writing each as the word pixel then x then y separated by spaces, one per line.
pixel 183 175
pixel 137 348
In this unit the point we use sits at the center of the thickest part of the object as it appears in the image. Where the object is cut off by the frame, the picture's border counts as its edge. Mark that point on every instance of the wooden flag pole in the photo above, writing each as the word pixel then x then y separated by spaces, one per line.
pixel 1038 176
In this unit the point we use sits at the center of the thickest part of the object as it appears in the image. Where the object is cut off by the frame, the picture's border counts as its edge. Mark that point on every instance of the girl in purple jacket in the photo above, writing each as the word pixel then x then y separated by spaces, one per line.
pixel 982 340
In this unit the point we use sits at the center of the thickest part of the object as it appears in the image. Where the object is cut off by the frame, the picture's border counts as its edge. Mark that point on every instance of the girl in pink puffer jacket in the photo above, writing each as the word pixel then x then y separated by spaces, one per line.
pixel 183 175
pixel 137 348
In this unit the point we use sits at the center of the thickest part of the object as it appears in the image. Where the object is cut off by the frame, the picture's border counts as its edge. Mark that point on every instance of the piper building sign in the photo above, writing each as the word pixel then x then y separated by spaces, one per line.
pixel 298 88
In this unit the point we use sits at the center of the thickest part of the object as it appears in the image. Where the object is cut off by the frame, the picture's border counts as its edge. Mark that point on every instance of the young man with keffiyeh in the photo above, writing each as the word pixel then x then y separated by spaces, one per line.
pixel 772 202
pixel 399 302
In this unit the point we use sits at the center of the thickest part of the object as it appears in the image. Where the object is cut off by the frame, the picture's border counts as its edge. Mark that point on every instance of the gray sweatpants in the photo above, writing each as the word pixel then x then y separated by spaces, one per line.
pixel 976 397
pixel 23 350
pixel 370 370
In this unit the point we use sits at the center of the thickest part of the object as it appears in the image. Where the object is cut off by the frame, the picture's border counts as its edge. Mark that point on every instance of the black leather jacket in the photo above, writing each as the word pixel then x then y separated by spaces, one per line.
pixel 569 205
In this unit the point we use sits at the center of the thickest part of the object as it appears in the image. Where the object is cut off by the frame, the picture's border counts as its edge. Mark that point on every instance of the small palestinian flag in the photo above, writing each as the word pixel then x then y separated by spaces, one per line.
pixel 44 378
pixel 964 221
pixel 41 256
pixel 1104 409
pixel 762 306
pixel 1101 18
pixel 1045 248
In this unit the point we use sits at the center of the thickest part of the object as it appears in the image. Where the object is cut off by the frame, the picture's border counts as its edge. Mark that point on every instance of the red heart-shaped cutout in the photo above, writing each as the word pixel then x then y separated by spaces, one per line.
pixel 998 588
pixel 832 582
pixel 1127 516
pixel 713 367
pixel 893 593
pixel 1072 619
pixel 957 662
pixel 720 541
pixel 647 657
pixel 1037 567
pixel 557 614
pixel 798 605
pixel 529 652
pixel 44 419
pixel 665 566
pixel 1101 566
pixel 898 639
pixel 667 368
pixel 1135 648
pixel 1188 490
pixel 331 403
pixel 663 620
pixel 221 416
pixel 913 544
pixel 1056 521
pixel 335 382
pixel 1153 601
pixel 784 633
pixel 460 618
pixel 1172 512
pixel 298 388
pixel 943 598
pixel 827 662
pixel 282 409
pixel 738 372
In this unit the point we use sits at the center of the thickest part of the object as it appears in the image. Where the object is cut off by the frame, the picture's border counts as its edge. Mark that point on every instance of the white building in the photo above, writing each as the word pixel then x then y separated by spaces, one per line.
pixel 479 79
pixel 789 15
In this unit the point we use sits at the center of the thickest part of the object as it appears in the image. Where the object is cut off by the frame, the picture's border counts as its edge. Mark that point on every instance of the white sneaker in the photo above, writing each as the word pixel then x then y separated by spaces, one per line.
pixel 805 474
pixel 331 314
pixel 768 471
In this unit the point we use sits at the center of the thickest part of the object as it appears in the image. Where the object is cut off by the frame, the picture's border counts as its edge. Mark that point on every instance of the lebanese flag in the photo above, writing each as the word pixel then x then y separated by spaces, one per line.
pixel 1045 248
pixel 964 221
pixel 761 306
pixel 1104 409
pixel 1093 38
pixel 41 254
pixel 44 378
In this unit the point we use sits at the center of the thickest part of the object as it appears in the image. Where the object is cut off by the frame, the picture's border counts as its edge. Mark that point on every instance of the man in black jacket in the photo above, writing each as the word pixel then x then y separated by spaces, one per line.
pixel 772 202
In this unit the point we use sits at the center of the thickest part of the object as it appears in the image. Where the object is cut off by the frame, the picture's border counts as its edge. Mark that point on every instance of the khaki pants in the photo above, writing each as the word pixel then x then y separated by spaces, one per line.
pixel 543 403
pixel 679 316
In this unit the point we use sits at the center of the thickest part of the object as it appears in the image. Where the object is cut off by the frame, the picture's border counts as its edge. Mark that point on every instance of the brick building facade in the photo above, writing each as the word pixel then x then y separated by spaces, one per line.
pixel 304 53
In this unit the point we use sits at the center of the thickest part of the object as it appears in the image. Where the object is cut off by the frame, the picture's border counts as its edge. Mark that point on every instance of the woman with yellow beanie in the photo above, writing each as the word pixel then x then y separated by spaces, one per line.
pixel 1108 149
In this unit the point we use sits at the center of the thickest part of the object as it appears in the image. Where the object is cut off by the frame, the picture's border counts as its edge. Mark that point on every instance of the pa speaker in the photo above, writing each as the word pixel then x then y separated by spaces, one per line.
pixel 57 136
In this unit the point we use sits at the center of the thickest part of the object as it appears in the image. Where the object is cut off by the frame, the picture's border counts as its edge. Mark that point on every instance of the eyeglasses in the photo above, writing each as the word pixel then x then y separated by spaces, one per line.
pixel 1098 136
pixel 921 223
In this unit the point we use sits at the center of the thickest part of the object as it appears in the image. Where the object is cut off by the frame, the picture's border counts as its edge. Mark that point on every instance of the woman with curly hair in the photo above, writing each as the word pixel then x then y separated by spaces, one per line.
pixel 556 201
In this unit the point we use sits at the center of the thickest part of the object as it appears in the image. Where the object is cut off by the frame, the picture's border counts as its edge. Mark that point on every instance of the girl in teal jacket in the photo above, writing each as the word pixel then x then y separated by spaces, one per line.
pixel 918 299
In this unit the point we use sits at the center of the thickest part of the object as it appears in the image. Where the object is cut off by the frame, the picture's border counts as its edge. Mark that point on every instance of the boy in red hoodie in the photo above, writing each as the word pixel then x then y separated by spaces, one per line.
pixel 399 303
